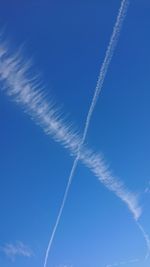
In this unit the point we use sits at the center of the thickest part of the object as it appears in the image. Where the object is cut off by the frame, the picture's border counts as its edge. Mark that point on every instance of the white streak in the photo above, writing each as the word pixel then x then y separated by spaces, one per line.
pixel 24 89
pixel 15 81
pixel 101 78
pixel 147 242
pixel 146 238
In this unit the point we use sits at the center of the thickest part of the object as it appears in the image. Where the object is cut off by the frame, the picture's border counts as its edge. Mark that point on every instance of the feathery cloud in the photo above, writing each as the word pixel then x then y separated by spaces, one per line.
pixel 27 92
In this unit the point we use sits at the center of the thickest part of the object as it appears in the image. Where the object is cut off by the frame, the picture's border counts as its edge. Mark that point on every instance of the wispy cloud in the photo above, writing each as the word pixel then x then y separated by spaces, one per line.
pixel 27 92
pixel 14 250
pixel 24 89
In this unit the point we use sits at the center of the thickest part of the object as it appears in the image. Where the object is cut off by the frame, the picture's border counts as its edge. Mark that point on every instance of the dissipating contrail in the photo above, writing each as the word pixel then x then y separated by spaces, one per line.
pixel 27 93
pixel 19 83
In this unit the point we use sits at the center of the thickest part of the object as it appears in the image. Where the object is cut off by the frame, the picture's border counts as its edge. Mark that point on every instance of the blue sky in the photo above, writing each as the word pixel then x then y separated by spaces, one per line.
pixel 67 41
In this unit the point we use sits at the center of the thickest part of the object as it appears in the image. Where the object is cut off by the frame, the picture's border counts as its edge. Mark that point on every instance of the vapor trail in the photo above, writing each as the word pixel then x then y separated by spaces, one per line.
pixel 17 80
pixel 146 238
pixel 147 242
pixel 101 78
pixel 25 90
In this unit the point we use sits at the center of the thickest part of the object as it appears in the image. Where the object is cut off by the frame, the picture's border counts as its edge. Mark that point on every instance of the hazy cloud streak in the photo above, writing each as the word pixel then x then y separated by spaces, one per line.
pixel 116 264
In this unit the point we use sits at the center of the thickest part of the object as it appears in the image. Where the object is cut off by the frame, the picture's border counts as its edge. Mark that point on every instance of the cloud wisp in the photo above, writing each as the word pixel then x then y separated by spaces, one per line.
pixel 14 250
pixel 26 91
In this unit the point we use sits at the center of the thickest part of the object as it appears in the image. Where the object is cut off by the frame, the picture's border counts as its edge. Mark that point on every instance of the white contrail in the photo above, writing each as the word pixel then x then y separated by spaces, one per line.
pixel 107 60
pixel 101 78
pixel 25 90
pixel 147 241
pixel 146 238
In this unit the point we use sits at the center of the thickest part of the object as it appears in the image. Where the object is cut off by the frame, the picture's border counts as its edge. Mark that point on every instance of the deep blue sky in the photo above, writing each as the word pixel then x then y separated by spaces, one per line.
pixel 67 41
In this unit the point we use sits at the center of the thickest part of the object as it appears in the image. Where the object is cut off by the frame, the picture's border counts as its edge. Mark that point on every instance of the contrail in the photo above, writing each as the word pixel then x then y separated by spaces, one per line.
pixel 146 238
pixel 101 78
pixel 147 241
pixel 27 91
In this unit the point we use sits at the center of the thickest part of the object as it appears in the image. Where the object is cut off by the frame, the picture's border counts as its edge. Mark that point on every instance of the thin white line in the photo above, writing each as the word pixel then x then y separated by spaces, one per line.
pixel 102 75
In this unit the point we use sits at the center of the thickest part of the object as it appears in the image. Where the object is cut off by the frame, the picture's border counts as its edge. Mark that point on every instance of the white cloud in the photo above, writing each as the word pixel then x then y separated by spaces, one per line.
pixel 14 250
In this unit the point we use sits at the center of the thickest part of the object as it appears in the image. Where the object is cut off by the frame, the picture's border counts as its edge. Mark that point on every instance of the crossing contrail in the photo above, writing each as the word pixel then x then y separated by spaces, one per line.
pixel 27 93
pixel 24 89
pixel 103 71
